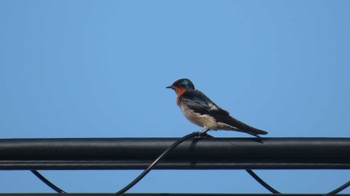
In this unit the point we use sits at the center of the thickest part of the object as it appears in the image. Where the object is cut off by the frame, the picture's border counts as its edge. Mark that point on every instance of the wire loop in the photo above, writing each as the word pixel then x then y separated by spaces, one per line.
pixel 154 163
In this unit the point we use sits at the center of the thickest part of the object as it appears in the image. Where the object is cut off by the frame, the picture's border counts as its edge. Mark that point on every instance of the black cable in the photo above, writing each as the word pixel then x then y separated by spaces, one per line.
pixel 47 182
pixel 262 182
pixel 337 190
pixel 154 163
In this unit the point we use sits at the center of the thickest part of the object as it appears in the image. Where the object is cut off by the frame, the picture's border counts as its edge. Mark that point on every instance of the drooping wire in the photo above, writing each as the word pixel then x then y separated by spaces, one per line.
pixel 154 163
pixel 47 182
pixel 262 182
pixel 337 190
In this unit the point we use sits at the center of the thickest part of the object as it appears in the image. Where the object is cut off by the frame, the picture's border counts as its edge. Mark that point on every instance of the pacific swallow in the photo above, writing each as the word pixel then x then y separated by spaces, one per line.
pixel 200 110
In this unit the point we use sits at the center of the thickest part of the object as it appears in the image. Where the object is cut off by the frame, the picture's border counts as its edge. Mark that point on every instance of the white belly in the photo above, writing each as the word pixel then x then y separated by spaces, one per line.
pixel 199 119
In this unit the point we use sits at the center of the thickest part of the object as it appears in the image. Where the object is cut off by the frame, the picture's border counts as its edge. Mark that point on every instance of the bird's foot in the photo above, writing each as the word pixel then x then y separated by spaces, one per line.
pixel 202 134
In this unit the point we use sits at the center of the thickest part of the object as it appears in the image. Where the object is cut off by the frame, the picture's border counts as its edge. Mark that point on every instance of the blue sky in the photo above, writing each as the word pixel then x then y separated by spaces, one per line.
pixel 99 69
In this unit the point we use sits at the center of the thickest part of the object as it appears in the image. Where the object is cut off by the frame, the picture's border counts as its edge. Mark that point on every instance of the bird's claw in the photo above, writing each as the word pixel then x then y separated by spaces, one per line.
pixel 202 135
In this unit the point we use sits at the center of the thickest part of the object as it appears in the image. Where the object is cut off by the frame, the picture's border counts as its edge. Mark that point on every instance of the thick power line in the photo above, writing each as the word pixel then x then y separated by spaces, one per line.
pixel 209 153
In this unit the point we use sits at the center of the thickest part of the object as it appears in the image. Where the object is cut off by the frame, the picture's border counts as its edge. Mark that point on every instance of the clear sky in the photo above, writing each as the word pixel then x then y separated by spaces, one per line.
pixel 99 69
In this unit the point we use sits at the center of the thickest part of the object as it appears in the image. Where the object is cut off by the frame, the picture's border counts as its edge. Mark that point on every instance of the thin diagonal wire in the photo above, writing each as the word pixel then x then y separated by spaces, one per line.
pixel 337 190
pixel 262 182
pixel 47 182
pixel 155 162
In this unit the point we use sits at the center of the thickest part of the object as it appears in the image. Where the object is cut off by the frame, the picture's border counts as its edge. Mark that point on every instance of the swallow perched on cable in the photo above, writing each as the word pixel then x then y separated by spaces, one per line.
pixel 200 110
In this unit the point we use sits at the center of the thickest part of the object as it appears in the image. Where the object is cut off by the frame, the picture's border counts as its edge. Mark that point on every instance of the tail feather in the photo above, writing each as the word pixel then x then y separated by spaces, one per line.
pixel 254 131
pixel 245 128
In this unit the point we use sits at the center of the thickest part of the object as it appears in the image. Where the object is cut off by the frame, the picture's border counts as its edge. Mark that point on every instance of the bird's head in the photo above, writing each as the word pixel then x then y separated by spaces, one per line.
pixel 182 85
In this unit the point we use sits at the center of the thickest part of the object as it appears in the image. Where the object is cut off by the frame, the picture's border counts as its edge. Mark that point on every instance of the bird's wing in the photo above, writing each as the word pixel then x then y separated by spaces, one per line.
pixel 200 103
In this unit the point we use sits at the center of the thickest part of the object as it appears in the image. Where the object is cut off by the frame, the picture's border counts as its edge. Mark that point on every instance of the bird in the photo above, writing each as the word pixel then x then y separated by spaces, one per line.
pixel 202 111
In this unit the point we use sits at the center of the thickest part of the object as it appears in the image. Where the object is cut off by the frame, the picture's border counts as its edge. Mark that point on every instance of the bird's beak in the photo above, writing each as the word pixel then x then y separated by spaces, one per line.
pixel 172 87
